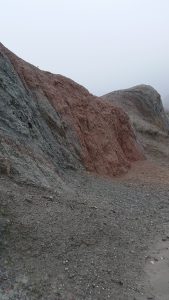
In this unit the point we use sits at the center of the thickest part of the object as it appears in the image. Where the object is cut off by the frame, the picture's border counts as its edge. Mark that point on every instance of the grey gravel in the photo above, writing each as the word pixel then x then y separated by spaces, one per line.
pixel 90 242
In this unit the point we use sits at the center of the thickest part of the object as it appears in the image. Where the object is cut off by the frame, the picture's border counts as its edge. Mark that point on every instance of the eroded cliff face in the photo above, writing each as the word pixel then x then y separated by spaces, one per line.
pixel 49 123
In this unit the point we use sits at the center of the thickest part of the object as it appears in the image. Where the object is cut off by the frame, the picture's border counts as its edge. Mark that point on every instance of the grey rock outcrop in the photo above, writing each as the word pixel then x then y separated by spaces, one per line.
pixel 142 103
pixel 144 106
pixel 35 143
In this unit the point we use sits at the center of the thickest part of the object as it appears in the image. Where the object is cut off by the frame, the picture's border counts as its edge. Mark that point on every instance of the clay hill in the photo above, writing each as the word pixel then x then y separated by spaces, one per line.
pixel 144 106
pixel 49 123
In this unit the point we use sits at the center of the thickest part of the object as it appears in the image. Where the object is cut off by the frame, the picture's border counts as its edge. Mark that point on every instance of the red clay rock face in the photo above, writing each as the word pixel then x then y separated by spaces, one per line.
pixel 108 143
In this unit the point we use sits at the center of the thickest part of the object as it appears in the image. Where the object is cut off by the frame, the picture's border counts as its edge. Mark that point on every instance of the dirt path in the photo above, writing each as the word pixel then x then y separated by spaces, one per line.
pixel 156 282
pixel 157 268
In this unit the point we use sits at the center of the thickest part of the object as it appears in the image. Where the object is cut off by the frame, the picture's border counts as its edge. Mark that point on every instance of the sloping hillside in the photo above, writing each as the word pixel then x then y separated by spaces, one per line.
pixel 49 123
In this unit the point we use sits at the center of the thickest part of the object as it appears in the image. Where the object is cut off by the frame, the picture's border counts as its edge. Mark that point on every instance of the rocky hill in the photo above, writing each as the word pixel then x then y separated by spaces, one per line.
pixel 49 123
pixel 65 233
pixel 144 106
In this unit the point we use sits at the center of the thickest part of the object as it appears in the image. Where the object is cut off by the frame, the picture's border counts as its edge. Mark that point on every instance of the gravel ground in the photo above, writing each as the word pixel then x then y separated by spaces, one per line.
pixel 89 241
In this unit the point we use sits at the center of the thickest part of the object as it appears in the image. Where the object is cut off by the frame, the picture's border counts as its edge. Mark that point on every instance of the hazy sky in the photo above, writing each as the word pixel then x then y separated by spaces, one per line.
pixel 102 44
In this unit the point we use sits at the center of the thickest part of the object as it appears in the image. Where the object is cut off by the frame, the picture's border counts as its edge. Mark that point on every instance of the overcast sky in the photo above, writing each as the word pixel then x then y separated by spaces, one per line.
pixel 102 44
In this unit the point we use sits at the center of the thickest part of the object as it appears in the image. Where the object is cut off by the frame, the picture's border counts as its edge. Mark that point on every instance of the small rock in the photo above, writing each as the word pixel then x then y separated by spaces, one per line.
pixel 28 200
pixel 49 198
